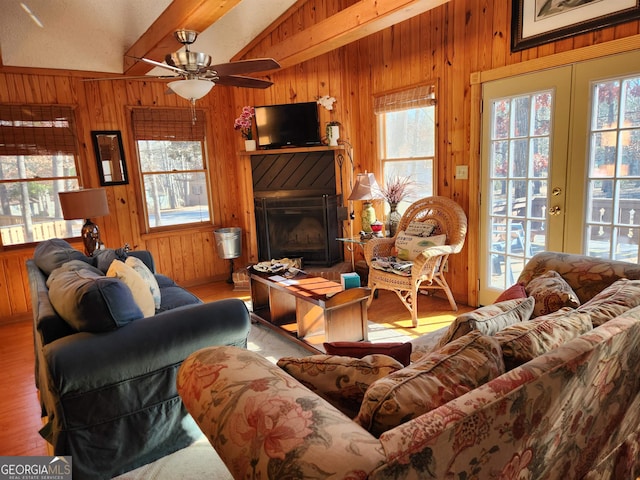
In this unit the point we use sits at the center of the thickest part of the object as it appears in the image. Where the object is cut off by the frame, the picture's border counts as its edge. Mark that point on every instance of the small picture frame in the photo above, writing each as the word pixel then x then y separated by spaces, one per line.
pixel 536 22
pixel 112 167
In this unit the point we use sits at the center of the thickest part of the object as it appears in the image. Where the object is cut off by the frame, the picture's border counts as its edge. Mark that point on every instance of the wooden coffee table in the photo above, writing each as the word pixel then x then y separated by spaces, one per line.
pixel 310 309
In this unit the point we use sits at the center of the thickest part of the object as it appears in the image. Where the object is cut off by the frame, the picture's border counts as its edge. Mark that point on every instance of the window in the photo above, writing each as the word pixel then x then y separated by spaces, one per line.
pixel 171 152
pixel 38 152
pixel 406 133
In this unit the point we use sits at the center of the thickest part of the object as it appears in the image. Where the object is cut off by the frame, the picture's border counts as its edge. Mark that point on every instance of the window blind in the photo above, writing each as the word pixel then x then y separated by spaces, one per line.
pixel 37 130
pixel 421 96
pixel 168 124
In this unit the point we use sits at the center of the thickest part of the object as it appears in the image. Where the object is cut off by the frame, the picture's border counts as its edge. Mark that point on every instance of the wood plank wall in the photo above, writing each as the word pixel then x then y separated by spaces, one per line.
pixel 445 46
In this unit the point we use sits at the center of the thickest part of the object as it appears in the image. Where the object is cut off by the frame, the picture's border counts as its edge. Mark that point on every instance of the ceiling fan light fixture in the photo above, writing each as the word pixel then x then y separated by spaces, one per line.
pixel 192 89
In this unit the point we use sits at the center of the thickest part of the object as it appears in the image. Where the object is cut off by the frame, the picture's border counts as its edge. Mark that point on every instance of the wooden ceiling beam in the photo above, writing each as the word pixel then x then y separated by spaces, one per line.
pixel 353 23
pixel 158 40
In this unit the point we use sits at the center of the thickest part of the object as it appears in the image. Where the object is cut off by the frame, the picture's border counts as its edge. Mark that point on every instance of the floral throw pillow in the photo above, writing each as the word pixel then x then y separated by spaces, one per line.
pixel 551 292
pixel 340 380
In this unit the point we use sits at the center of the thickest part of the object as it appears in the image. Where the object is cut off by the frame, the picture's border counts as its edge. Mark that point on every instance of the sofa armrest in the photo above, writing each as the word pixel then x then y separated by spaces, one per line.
pixel 265 424
pixel 87 361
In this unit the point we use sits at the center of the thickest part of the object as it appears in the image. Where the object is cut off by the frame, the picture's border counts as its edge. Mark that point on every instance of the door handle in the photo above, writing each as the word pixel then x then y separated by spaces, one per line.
pixel 555 210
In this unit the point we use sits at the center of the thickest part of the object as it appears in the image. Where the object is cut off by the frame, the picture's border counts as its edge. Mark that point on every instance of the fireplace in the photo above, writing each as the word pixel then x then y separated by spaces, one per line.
pixel 299 227
pixel 296 207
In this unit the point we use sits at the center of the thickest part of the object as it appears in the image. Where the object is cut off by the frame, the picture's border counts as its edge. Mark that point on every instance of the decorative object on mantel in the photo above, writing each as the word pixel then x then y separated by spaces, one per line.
pixel 333 133
pixel 395 189
pixel 333 127
pixel 244 124
pixel 366 189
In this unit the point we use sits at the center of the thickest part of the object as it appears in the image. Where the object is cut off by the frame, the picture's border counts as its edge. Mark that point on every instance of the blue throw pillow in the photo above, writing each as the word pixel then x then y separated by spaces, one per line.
pixel 51 254
pixel 90 302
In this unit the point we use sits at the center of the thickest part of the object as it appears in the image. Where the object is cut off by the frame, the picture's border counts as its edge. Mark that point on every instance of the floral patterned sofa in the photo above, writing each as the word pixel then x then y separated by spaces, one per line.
pixel 572 411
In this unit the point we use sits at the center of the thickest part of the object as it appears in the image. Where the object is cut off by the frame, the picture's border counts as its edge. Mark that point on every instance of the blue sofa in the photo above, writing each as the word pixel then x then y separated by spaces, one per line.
pixel 110 395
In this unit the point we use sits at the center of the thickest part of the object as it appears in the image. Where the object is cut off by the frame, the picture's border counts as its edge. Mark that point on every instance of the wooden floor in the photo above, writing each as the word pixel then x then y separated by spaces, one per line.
pixel 19 407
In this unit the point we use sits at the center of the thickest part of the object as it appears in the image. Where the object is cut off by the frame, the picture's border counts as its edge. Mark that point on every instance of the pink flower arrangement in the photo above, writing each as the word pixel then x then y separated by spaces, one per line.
pixel 243 122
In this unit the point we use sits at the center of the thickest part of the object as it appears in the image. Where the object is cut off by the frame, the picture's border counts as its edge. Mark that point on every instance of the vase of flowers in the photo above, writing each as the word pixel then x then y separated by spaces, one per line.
pixel 395 190
pixel 244 124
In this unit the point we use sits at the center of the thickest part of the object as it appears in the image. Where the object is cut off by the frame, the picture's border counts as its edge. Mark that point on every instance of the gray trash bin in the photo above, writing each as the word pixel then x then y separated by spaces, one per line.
pixel 228 242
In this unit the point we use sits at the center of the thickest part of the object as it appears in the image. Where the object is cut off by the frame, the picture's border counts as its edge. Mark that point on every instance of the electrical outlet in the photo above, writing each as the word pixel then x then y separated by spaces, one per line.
pixel 462 172
pixel 445 267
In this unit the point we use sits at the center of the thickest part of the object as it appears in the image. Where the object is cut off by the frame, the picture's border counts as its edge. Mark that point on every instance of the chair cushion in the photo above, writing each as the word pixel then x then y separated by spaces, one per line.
pixel 341 380
pixel 551 293
pixel 139 288
pixel 441 376
pixel 489 319
pixel 527 340
pixel 146 274
pixel 392 265
pixel 401 351
pixel 90 302
pixel 409 246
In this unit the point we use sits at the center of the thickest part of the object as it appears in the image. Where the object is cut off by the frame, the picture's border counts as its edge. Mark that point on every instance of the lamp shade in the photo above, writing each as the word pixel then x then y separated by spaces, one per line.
pixel 86 203
pixel 366 187
pixel 193 89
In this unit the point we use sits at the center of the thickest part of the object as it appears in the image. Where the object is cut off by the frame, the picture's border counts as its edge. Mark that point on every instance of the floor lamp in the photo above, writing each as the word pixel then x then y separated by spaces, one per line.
pixel 86 204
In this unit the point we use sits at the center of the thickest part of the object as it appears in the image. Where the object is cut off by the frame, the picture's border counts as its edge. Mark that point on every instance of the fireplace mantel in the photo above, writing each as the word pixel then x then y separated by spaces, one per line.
pixel 268 151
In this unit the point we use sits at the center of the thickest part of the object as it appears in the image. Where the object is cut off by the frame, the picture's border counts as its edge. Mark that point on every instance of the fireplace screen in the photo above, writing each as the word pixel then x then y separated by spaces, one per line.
pixel 294 227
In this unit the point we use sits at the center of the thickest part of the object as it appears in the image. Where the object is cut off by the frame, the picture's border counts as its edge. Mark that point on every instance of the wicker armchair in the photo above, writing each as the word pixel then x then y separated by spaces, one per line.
pixel 425 272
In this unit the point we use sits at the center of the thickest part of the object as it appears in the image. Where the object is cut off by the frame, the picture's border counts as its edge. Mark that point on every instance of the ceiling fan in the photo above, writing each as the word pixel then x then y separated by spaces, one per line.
pixel 194 74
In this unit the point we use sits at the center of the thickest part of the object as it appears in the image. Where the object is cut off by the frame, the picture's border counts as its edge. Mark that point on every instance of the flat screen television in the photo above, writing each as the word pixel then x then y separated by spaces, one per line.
pixel 288 125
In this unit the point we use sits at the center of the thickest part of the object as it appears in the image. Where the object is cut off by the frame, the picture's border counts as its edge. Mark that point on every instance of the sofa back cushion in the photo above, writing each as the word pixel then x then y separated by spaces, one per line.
pixel 90 302
pixel 527 340
pixel 613 301
pixel 53 253
pixel 434 380
pixel 489 319
pixel 340 380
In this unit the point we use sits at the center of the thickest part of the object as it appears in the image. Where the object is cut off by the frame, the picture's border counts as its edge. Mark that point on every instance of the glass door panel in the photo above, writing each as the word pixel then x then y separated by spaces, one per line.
pixel 517 155
pixel 608 181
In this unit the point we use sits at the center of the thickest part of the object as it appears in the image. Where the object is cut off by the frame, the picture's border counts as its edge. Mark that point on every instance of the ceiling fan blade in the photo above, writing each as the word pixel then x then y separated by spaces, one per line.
pixel 240 81
pixel 134 77
pixel 161 65
pixel 244 66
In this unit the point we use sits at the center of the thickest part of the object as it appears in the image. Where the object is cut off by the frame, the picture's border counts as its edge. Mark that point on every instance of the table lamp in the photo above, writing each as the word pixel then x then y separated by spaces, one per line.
pixel 366 189
pixel 85 204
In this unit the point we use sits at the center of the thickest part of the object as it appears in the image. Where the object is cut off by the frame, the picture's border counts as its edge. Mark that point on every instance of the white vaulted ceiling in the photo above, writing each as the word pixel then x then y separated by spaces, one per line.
pixel 93 35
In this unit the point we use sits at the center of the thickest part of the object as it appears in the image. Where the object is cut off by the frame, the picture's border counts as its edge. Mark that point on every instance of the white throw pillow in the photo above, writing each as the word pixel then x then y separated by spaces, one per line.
pixel 409 247
pixel 147 275
pixel 139 288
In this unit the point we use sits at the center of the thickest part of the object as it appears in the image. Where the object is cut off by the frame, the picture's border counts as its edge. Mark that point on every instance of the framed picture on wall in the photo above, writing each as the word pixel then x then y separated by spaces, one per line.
pixel 536 22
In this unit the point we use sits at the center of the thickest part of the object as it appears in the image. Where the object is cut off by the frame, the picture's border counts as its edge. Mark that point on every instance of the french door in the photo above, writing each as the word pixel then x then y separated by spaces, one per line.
pixel 525 133
pixel 560 159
